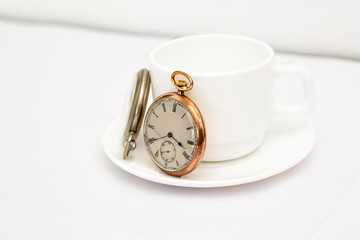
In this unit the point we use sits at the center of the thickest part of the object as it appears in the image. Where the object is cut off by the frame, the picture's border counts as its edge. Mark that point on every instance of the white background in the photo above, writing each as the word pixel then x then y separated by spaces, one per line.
pixel 327 27
pixel 59 89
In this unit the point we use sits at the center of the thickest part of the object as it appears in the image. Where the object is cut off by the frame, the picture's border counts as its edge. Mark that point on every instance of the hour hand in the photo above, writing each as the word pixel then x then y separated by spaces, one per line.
pixel 170 135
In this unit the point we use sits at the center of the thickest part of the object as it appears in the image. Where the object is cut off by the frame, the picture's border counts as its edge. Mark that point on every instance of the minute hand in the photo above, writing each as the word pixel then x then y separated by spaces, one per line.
pixel 151 140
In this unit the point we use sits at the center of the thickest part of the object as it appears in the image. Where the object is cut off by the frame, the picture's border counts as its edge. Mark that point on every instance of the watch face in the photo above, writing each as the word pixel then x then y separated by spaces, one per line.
pixel 170 134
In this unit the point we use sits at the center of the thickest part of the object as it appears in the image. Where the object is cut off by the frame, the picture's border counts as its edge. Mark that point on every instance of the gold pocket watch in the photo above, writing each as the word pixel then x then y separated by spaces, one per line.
pixel 174 129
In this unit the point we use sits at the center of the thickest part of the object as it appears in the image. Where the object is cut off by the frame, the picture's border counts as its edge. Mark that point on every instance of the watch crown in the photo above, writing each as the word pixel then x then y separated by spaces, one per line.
pixel 182 85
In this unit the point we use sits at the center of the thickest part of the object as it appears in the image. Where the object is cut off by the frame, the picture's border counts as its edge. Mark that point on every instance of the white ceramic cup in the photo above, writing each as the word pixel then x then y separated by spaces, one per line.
pixel 233 88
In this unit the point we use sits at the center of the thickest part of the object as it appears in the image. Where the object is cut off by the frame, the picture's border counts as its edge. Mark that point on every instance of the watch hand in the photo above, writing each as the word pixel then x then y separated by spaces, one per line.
pixel 151 140
pixel 160 137
pixel 170 135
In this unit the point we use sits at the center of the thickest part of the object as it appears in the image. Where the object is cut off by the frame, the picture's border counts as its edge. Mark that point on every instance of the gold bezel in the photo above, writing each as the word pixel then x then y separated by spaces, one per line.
pixel 200 132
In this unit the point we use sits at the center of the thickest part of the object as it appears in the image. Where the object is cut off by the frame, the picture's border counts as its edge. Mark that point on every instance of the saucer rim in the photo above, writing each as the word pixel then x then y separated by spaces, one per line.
pixel 172 181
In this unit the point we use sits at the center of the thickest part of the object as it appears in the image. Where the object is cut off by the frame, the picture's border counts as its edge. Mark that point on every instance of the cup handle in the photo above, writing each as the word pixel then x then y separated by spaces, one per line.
pixel 308 86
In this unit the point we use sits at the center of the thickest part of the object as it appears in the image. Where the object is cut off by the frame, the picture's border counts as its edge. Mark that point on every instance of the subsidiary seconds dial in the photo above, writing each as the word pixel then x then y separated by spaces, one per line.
pixel 168 151
pixel 170 135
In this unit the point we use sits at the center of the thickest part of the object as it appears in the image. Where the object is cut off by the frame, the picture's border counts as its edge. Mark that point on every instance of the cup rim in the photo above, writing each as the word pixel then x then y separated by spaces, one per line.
pixel 240 37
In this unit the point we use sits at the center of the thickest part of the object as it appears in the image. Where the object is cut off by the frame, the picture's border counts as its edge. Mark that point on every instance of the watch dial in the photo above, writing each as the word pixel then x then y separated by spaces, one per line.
pixel 170 134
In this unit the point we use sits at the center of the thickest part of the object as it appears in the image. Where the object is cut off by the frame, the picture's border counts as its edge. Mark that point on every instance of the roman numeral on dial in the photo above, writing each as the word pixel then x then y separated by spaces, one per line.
pixel 190 142
pixel 152 140
pixel 186 155
pixel 151 126
pixel 174 107
pixel 164 108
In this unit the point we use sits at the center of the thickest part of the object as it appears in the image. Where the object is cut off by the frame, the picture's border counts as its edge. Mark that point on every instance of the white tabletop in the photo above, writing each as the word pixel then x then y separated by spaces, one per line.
pixel 59 89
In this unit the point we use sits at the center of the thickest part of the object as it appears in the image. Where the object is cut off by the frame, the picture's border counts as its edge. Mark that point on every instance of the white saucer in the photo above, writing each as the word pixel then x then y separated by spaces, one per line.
pixel 287 142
